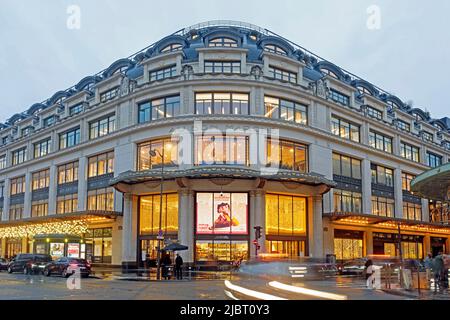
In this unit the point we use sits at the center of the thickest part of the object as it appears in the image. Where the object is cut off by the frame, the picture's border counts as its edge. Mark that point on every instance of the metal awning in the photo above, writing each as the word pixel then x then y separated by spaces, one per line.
pixel 234 172
pixel 433 184
pixel 372 220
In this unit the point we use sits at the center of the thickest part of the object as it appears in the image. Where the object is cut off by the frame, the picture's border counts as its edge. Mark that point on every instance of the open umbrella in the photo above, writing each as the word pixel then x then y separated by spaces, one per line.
pixel 175 247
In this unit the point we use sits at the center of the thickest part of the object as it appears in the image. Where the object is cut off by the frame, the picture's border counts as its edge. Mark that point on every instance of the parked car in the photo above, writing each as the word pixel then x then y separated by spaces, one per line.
pixel 67 266
pixel 3 264
pixel 29 263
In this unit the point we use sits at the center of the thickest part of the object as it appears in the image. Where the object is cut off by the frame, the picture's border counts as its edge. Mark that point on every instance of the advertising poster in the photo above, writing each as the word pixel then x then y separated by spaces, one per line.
pixel 222 213
pixel 57 249
pixel 73 250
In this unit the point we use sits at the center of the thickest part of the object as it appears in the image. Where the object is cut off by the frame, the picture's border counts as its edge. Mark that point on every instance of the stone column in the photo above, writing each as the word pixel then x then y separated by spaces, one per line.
pixel 328 236
pixel 398 193
pixel 52 190
pixel 426 245
pixel 6 200
pixel 82 184
pixel 259 215
pixel 186 223
pixel 366 187
pixel 369 242
pixel 129 233
pixel 316 230
pixel 425 210
pixel 27 198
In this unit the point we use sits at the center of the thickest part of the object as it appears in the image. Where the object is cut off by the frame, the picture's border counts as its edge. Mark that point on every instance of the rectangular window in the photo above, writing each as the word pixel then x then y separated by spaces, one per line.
pixel 166 148
pixel 339 97
pixel 102 127
pixel 346 166
pixel 49 121
pixel 383 207
pixel 41 179
pixel 285 215
pixel 409 152
pixel 347 201
pixel 39 208
pixel 101 164
pixel 382 175
pixel 374 113
pixel 68 173
pixel 150 214
pixel 26 131
pixel 282 75
pixel 19 156
pixel 412 211
pixel 433 160
pixel 221 150
pixel 276 108
pixel 18 185
pixel 287 155
pixel 426 136
pixel 222 67
pixel 41 149
pixel 109 95
pixel 404 126
pixel 166 107
pixel 163 73
pixel 2 189
pixel 406 181
pixel 222 103
pixel 16 212
pixel 345 129
pixel 67 204
pixel 101 199
pixel 380 142
pixel 2 162
pixel 76 109
pixel 69 139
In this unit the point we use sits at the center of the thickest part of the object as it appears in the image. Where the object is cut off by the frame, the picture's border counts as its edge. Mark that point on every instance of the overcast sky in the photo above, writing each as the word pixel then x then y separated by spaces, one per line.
pixel 409 55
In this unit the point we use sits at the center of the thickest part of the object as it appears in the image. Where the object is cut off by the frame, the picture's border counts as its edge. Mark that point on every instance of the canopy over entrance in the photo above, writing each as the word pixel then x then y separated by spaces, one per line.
pixel 433 184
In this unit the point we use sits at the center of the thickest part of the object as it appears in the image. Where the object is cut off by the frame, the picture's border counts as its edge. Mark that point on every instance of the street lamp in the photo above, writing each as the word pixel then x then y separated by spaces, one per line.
pixel 154 153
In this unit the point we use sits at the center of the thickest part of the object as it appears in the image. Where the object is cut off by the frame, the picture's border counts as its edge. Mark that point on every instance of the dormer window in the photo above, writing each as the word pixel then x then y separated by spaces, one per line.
pixel 393 105
pixel 275 49
pixel 223 42
pixel 329 73
pixel 172 48
pixel 438 126
pixel 26 131
pixel 364 90
pixel 76 109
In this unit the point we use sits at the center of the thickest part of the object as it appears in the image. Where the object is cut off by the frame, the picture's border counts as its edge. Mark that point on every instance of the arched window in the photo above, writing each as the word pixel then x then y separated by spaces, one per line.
pixel 172 48
pixel 223 42
pixel 329 73
pixel 275 49
pixel 364 90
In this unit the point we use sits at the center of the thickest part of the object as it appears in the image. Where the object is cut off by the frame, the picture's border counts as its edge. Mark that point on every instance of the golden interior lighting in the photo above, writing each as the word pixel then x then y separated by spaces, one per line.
pixel 76 227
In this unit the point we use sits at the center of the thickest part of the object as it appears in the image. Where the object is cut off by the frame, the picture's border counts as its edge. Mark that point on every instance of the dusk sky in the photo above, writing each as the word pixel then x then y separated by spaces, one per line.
pixel 409 55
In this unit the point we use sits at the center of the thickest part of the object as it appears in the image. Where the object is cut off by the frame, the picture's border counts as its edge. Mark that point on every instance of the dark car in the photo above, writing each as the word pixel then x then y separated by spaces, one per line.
pixel 67 266
pixel 3 264
pixel 29 263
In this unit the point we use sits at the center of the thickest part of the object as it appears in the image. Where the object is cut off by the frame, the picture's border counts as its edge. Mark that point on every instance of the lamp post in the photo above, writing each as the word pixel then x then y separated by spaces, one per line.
pixel 154 153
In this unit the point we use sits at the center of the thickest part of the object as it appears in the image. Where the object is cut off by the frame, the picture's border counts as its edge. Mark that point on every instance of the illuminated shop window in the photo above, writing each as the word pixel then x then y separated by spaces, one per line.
pixel 163 147
pixel 382 175
pixel 39 208
pixel 287 155
pixel 150 213
pixel 276 108
pixel 345 129
pixel 67 204
pixel 412 211
pixel 101 164
pixel 101 199
pixel 406 181
pixel 347 201
pixel 42 148
pixel 18 185
pixel 221 251
pixel 285 215
pixel 383 207
pixel 68 173
pixel 348 245
pixel 286 248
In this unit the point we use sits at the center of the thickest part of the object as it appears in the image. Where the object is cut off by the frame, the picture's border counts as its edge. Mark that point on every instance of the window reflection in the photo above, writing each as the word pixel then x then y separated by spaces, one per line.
pixel 221 150
pixel 166 147
pixel 287 155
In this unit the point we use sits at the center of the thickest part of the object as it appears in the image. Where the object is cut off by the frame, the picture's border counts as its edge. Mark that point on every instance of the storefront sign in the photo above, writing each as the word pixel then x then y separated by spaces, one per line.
pixel 222 213
pixel 57 250
pixel 73 250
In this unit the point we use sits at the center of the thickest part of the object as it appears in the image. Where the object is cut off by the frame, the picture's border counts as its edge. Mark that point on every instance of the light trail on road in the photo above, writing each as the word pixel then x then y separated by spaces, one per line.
pixel 309 292
pixel 251 293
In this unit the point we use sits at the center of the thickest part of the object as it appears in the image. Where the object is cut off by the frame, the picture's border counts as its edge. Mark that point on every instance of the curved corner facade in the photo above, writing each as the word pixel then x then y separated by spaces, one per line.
pixel 238 129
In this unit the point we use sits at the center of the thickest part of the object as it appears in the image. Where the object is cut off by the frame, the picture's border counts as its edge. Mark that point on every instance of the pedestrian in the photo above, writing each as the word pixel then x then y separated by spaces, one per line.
pixel 428 262
pixel 166 263
pixel 369 270
pixel 178 267
pixel 438 268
